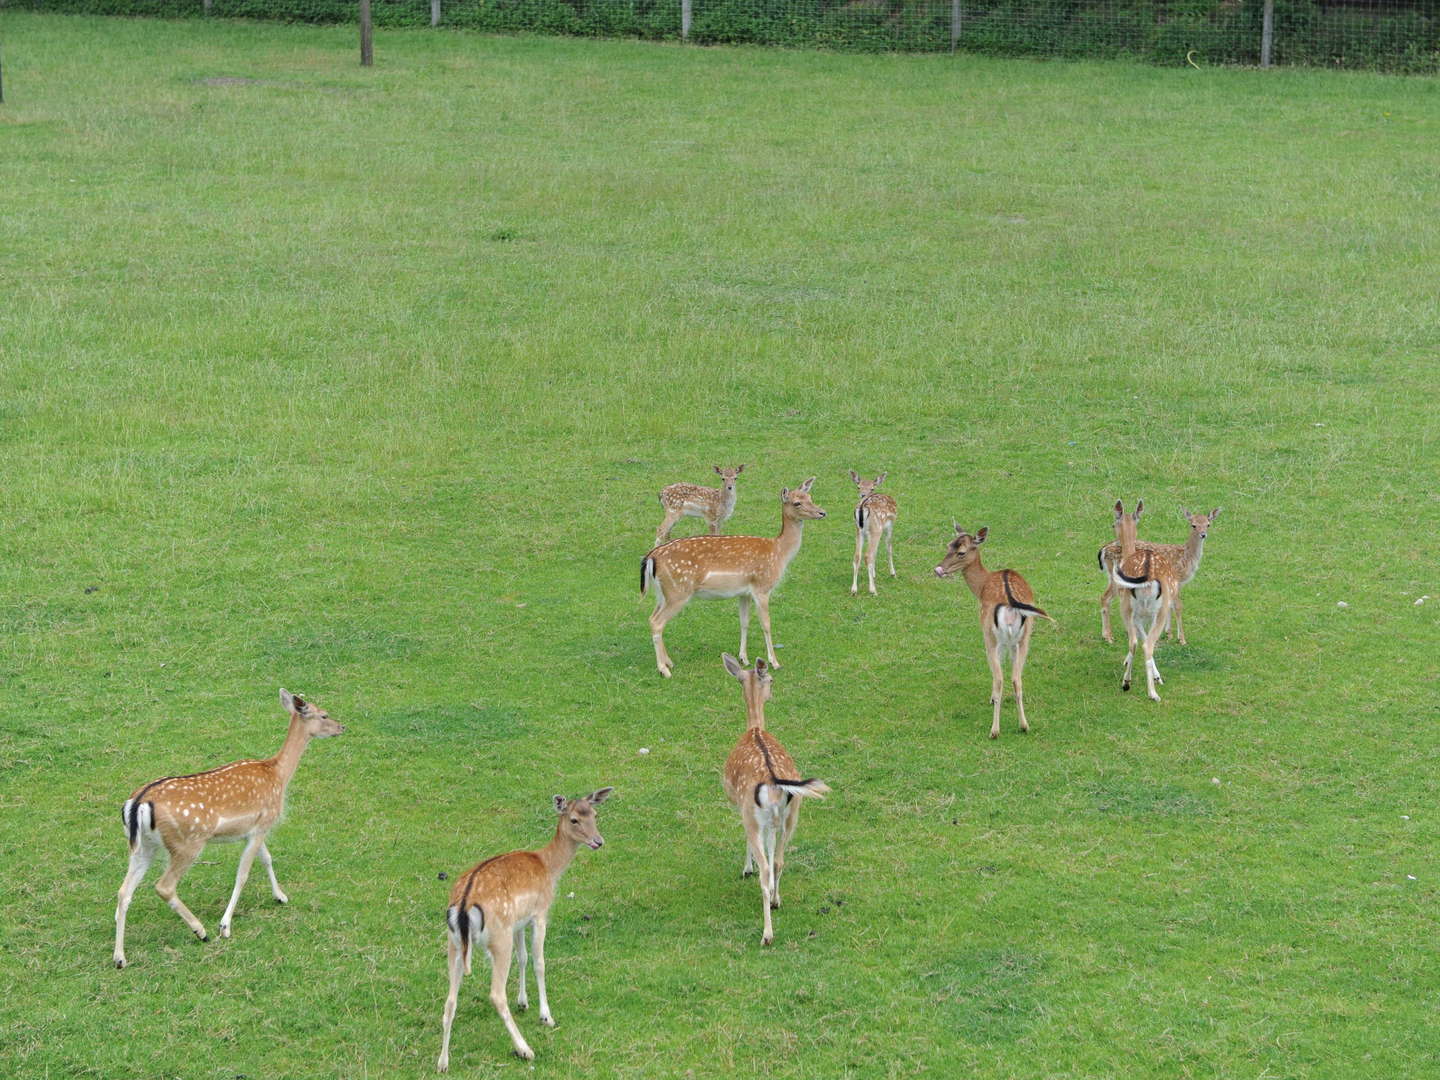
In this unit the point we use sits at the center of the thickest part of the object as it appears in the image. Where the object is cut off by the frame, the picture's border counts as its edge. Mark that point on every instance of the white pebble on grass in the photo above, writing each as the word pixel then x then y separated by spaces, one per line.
pixel 1341 604
pixel 644 749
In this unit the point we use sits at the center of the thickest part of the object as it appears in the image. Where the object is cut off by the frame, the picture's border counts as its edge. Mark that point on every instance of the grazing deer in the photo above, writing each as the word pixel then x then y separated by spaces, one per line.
pixel 239 801
pixel 748 567
pixel 874 517
pixel 1006 608
pixel 757 781
pixel 493 903
pixel 692 500
pixel 1149 579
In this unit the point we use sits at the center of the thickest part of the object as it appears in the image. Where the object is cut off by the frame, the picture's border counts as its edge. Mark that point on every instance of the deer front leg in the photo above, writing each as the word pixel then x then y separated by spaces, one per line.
pixel 275 889
pixel 762 601
pixel 997 679
pixel 500 946
pixel 522 999
pixel 140 859
pixel 181 859
pixel 1179 628
pixel 242 875
pixel 546 1017
pixel 663 532
pixel 744 625
pixel 1017 671
pixel 457 973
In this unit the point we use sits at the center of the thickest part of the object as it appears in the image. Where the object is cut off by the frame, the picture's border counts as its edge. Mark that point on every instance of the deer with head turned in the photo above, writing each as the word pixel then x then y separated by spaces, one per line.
pixel 747 567
pixel 874 517
pixel 763 784
pixel 1179 553
pixel 493 902
pixel 1007 613
pixel 239 801
pixel 713 505
pixel 1149 581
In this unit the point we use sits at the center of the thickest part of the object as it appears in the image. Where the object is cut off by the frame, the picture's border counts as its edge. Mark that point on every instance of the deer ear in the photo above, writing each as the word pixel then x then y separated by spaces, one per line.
pixel 595 798
pixel 739 469
pixel 715 467
pixel 881 478
pixel 784 493
pixel 806 485
pixel 733 666
pixel 980 536
pixel 1119 509
pixel 287 700
pixel 958 529
pixel 1185 513
pixel 1139 507
pixel 761 668
pixel 1214 514
pixel 854 477
pixel 560 804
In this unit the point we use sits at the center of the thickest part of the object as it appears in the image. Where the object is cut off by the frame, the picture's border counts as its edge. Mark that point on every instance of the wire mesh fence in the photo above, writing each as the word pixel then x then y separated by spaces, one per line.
pixel 1390 35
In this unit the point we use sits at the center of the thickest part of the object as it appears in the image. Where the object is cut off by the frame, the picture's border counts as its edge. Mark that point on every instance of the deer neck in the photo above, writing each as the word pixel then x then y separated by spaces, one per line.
pixel 727 502
pixel 288 759
pixel 976 575
pixel 557 854
pixel 1190 559
pixel 754 713
pixel 792 530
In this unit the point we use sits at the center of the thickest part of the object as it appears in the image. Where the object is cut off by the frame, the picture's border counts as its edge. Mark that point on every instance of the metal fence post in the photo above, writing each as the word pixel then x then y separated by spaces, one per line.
pixel 954 24
pixel 684 20
pixel 434 12
pixel 1267 33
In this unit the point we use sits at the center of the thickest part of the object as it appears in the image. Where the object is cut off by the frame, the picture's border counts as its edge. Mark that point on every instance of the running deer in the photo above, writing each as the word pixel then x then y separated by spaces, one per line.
pixel 1006 609
pixel 239 801
pixel 1149 579
pixel 493 903
pixel 1111 552
pixel 874 517
pixel 748 567
pixel 714 505
pixel 758 782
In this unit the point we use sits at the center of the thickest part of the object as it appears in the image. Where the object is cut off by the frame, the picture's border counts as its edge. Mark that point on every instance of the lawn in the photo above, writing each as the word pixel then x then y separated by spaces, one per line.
pixel 364 382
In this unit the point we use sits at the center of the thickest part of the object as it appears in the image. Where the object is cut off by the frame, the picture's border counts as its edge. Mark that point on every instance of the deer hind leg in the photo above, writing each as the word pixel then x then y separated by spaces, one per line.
pixel 890 545
pixel 755 840
pixel 140 859
pixel 522 999
pixel 1152 673
pixel 664 611
pixel 242 875
pixel 997 678
pixel 457 964
pixel 500 945
pixel 871 552
pixel 762 601
pixel 1105 599
pixel 266 862
pixel 787 830
pixel 181 858
pixel 1127 615
pixel 855 562
pixel 744 625
pixel 1017 670
pixel 545 1015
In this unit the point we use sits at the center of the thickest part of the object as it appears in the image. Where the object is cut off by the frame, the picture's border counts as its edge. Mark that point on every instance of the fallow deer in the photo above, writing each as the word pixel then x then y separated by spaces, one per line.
pixel 1007 607
pixel 748 567
pixel 874 517
pixel 1149 580
pixel 713 505
pixel 239 801
pixel 1111 552
pixel 493 903
pixel 762 783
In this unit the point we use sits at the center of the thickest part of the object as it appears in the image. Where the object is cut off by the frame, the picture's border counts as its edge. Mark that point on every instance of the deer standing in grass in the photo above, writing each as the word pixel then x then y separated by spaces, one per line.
pixel 748 567
pixel 874 517
pixel 1111 552
pixel 758 781
pixel 493 903
pixel 239 801
pixel 1149 579
pixel 714 505
pixel 1007 610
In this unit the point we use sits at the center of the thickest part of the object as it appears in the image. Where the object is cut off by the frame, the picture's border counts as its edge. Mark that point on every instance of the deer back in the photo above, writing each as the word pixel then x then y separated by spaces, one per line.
pixel 226 802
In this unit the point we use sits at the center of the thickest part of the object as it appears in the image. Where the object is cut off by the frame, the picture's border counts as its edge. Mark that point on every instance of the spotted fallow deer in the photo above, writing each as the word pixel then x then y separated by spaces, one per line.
pixel 874 517
pixel 763 784
pixel 492 903
pixel 748 567
pixel 239 801
pixel 713 505
pixel 1149 580
pixel 1007 608
pixel 1111 552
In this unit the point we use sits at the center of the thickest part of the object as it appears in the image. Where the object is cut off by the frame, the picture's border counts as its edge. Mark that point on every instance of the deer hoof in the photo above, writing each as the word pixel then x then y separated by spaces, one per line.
pixel 120 963
pixel 548 1021
pixel 203 936
pixel 766 942
pixel 1125 685
pixel 224 930
pixel 524 1053
pixel 443 1065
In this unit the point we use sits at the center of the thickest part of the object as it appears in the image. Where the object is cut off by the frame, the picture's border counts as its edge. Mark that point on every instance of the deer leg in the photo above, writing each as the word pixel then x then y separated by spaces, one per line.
pixel 1152 673
pixel 457 973
pixel 855 562
pixel 997 678
pixel 744 625
pixel 754 834
pixel 1179 628
pixel 500 945
pixel 1127 615
pixel 1105 598
pixel 275 889
pixel 890 545
pixel 242 875
pixel 663 613
pixel 663 533
pixel 181 859
pixel 522 999
pixel 546 1017
pixel 870 554
pixel 140 859
pixel 762 601
pixel 787 830
pixel 1017 671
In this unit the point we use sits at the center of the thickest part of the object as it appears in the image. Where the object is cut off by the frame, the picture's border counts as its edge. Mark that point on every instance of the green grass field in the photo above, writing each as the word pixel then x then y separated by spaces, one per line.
pixel 363 383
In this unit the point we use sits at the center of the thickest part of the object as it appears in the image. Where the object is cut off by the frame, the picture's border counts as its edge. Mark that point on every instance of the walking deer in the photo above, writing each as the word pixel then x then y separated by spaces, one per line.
pixel 758 781
pixel 1007 607
pixel 239 801
pixel 1110 553
pixel 747 567
pixel 493 903
pixel 714 505
pixel 1149 580
pixel 874 517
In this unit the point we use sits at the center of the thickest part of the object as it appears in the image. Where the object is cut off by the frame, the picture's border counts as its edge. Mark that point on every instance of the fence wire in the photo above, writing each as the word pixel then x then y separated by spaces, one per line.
pixel 1389 35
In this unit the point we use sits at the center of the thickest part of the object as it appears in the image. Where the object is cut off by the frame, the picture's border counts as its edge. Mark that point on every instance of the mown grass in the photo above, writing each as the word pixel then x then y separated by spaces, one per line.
pixel 363 383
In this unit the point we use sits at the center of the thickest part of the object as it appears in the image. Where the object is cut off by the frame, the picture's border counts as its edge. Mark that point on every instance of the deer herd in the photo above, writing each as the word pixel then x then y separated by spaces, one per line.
pixel 492 904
